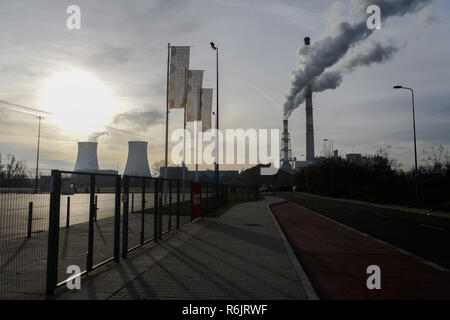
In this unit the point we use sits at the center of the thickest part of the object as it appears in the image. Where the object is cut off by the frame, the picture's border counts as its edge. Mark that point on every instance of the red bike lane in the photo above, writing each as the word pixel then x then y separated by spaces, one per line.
pixel 336 258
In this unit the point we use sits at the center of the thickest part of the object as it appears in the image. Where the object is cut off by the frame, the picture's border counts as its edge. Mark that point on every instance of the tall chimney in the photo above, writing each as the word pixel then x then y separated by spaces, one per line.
pixel 137 161
pixel 87 157
pixel 309 125
pixel 286 156
pixel 285 141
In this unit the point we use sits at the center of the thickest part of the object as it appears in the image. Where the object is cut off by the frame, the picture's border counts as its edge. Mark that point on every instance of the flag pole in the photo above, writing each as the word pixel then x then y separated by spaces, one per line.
pixel 167 111
pixel 165 175
pixel 196 151
pixel 184 138
pixel 199 116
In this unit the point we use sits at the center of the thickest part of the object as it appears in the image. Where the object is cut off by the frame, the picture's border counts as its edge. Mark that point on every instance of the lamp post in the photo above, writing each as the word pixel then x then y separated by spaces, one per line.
pixel 415 145
pixel 37 156
pixel 213 46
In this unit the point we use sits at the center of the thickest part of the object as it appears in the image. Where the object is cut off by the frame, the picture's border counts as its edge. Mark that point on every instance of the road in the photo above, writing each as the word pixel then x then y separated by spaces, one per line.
pixel 425 236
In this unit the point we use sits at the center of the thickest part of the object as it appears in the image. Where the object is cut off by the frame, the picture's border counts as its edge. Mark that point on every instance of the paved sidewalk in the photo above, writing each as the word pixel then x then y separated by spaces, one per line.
pixel 240 255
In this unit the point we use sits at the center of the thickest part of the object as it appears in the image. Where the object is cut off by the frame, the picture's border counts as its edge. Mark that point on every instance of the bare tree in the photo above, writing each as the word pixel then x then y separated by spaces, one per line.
pixel 437 162
pixel 12 169
pixel 392 162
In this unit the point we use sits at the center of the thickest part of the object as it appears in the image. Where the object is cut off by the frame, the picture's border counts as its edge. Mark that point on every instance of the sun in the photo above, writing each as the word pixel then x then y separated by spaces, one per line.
pixel 82 104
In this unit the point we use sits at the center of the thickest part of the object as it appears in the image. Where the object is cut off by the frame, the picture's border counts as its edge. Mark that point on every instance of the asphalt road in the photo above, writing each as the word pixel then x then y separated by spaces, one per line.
pixel 424 236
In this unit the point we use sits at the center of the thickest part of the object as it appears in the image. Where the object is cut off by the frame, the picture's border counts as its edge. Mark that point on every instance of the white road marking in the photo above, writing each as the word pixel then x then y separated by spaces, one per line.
pixel 381 215
pixel 432 227
pixel 431 264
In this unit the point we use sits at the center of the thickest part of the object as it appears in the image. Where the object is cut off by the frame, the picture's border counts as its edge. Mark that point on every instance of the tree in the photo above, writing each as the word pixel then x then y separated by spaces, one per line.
pixel 438 162
pixel 391 162
pixel 12 169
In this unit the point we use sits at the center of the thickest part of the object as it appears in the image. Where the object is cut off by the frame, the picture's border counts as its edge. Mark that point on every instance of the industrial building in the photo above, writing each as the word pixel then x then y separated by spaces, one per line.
pixel 203 175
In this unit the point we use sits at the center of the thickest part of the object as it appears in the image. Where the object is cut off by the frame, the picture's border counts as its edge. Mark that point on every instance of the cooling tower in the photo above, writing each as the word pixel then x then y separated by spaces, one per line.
pixel 309 125
pixel 87 157
pixel 137 161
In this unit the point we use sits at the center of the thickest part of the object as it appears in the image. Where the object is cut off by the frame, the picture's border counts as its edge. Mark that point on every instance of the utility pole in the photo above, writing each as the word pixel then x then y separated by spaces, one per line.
pixel 416 172
pixel 37 156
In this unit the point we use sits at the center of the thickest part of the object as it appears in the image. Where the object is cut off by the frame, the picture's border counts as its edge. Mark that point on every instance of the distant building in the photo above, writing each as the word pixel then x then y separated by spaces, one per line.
pixel 81 181
pixel 173 172
pixel 301 164
pixel 203 175
pixel 356 157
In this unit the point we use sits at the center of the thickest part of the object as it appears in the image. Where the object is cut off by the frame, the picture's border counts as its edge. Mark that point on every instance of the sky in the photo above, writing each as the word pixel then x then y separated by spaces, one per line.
pixel 119 56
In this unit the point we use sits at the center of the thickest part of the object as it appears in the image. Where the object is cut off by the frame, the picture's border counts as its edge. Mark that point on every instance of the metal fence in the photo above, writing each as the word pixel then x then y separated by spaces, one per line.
pixel 52 222
pixel 23 235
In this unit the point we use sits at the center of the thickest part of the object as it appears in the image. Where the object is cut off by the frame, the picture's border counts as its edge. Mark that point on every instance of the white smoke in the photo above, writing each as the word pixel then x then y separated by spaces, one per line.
pixel 93 137
pixel 374 53
pixel 328 51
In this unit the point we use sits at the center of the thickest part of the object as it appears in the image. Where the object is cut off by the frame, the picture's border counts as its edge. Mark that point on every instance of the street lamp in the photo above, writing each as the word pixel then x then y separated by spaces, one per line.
pixel 37 156
pixel 213 46
pixel 414 128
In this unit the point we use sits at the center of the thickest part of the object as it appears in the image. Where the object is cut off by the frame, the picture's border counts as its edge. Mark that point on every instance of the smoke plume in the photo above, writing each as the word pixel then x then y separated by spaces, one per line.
pixel 329 50
pixel 375 53
pixel 93 137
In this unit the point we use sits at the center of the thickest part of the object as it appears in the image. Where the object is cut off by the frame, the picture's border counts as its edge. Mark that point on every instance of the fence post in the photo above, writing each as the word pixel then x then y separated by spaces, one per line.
pixel 155 211
pixel 92 214
pixel 68 213
pixel 192 199
pixel 142 211
pixel 178 204
pixel 227 188
pixel 95 207
pixel 117 220
pixel 160 206
pixel 53 234
pixel 30 219
pixel 170 205
pixel 126 191
pixel 132 202
pixel 207 198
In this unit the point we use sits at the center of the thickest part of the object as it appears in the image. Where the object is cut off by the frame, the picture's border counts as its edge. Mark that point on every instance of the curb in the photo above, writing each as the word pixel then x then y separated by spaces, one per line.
pixel 309 289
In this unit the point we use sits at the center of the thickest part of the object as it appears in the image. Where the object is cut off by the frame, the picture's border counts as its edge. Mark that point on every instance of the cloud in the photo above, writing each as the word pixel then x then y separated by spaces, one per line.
pixel 138 120
pixel 426 17
pixel 110 55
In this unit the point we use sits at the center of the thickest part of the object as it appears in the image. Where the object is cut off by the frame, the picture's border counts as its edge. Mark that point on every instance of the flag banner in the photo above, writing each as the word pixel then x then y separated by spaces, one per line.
pixel 206 108
pixel 179 64
pixel 195 80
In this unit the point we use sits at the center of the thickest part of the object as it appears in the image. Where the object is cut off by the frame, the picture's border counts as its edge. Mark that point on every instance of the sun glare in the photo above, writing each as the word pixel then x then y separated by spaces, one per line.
pixel 80 102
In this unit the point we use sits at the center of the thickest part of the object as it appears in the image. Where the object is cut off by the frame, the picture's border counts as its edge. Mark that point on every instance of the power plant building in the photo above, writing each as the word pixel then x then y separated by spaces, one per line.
pixel 137 161
pixel 87 160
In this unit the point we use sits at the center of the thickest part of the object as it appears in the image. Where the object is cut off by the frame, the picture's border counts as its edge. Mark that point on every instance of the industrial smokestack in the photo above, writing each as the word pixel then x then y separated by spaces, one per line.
pixel 87 157
pixel 309 125
pixel 286 155
pixel 137 162
pixel 332 48
pixel 285 141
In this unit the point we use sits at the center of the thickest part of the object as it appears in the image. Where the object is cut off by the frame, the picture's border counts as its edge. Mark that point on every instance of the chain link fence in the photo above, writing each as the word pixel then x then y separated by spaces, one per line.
pixel 52 221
